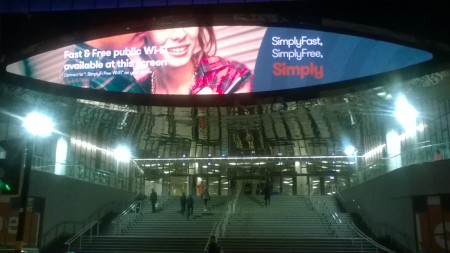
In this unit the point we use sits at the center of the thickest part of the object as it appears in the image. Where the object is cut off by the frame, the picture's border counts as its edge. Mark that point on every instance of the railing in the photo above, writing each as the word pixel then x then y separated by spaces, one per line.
pixel 78 236
pixel 123 220
pixel 70 227
pixel 331 217
pixel 82 173
pixel 230 209
pixel 62 229
pixel 378 229
pixel 419 154
pixel 370 240
pixel 214 232
pixel 325 212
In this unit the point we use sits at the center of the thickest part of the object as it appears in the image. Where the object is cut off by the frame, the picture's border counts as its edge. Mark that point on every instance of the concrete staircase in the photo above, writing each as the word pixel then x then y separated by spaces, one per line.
pixel 166 230
pixel 286 217
pixel 289 224
pixel 241 224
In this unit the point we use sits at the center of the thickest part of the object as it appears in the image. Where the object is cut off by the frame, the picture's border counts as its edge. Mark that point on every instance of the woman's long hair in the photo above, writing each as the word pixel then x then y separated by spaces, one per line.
pixel 207 43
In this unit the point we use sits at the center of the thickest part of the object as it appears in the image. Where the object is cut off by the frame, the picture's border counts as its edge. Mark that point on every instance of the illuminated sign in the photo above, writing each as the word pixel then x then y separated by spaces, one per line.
pixel 217 60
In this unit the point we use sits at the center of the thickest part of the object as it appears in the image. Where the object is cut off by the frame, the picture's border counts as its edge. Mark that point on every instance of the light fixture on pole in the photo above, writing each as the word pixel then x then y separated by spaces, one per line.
pixel 36 124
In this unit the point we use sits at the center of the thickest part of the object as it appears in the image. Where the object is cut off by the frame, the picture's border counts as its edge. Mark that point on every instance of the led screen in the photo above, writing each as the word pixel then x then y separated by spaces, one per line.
pixel 217 60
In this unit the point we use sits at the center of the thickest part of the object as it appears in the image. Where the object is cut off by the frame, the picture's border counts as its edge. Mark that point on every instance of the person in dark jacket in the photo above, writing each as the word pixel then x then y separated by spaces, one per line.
pixel 267 195
pixel 153 199
pixel 213 247
pixel 206 198
pixel 190 206
pixel 183 203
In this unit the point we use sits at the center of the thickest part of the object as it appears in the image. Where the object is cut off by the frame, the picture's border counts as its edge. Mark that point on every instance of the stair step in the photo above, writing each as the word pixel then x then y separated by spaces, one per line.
pixel 289 224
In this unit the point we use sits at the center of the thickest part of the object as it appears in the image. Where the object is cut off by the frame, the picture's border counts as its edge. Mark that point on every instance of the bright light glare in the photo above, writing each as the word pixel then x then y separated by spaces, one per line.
pixel 420 127
pixel 405 113
pixel 350 150
pixel 122 153
pixel 61 156
pixel 38 124
pixel 393 143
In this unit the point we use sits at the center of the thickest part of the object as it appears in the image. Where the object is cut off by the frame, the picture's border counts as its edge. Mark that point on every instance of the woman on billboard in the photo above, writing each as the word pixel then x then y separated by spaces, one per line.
pixel 189 64
pixel 177 61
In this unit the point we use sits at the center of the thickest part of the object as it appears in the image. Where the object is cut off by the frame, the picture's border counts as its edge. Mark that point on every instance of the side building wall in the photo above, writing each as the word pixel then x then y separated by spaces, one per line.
pixel 387 203
pixel 70 204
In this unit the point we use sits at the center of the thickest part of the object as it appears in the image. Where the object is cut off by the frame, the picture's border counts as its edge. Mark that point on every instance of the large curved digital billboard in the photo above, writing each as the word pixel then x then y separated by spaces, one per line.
pixel 217 60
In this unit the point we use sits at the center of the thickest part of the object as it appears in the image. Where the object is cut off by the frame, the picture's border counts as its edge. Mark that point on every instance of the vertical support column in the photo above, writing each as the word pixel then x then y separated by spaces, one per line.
pixel 294 185
pixel 191 181
pixel 322 185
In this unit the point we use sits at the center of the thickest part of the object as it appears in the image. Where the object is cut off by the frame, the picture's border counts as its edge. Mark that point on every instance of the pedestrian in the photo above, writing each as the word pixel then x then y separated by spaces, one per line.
pixel 438 155
pixel 190 206
pixel 200 188
pixel 183 203
pixel 267 195
pixel 153 199
pixel 213 246
pixel 233 185
pixel 206 198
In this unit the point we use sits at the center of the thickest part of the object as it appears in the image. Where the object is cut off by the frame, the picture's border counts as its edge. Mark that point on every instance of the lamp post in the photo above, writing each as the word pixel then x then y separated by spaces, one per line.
pixel 37 125
pixel 23 204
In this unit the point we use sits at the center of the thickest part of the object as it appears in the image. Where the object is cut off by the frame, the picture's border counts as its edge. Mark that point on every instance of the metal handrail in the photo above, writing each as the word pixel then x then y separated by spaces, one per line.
pixel 133 207
pixel 213 232
pixel 370 240
pixel 60 228
pixel 326 211
pixel 231 206
pixel 410 153
pixel 388 231
pixel 356 229
pixel 90 175
pixel 130 208
pixel 81 233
